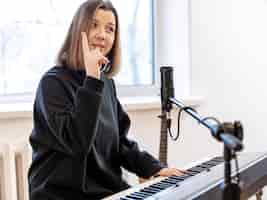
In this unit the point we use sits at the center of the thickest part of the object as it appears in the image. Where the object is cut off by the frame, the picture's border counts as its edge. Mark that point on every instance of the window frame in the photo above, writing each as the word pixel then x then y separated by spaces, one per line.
pixel 145 90
pixel 164 12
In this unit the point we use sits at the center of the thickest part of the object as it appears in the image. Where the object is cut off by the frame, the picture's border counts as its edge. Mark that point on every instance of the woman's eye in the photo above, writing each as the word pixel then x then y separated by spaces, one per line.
pixel 110 29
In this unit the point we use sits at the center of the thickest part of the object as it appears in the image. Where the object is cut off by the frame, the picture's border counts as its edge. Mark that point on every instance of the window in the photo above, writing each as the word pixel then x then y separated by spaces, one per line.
pixel 30 37
pixel 137 42
pixel 154 33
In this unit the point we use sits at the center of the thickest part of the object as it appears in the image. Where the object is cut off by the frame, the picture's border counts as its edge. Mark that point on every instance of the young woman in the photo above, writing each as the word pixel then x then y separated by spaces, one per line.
pixel 79 139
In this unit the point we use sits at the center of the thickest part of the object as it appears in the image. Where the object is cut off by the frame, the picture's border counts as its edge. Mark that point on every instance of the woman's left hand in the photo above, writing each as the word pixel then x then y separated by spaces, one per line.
pixel 170 172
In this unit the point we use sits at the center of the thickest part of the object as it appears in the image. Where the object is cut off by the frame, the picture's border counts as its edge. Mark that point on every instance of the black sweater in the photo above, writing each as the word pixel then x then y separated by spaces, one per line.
pixel 79 139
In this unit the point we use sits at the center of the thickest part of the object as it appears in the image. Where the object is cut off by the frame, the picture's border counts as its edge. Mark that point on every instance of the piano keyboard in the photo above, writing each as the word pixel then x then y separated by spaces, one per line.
pixel 197 179
pixel 172 181
pixel 168 182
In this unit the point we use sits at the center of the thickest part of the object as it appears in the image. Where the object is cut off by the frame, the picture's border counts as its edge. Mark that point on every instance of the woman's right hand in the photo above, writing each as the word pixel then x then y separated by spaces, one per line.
pixel 93 58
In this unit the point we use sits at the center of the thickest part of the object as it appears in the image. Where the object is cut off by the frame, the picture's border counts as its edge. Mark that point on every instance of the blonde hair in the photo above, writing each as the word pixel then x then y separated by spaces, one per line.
pixel 71 55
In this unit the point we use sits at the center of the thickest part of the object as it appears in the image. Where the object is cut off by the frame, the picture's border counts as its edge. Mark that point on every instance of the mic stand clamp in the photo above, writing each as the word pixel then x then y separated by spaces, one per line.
pixel 230 188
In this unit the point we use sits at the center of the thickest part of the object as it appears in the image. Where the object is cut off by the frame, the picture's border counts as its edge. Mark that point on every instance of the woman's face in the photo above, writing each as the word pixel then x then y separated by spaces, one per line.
pixel 102 31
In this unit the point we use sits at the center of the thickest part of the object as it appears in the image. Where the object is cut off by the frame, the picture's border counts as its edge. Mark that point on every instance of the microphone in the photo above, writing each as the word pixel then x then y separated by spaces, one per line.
pixel 167 90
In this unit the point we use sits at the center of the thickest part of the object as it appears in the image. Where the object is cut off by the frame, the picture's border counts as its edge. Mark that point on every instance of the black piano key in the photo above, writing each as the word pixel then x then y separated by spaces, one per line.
pixel 170 178
pixel 134 196
pixel 208 165
pixel 201 166
pixel 191 173
pixel 198 169
pixel 177 179
pixel 150 191
pixel 214 163
pixel 163 184
pixel 125 198
pixel 143 194
pixel 182 177
pixel 131 196
pixel 211 163
pixel 138 194
pixel 157 187
pixel 167 184
pixel 205 165
pixel 154 189
pixel 169 181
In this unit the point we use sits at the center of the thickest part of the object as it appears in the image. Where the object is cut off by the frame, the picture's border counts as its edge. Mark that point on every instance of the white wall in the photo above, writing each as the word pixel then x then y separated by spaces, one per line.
pixel 229 61
pixel 11 129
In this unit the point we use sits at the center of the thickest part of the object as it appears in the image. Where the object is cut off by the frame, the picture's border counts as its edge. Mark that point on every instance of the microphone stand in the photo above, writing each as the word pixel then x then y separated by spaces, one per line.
pixel 231 135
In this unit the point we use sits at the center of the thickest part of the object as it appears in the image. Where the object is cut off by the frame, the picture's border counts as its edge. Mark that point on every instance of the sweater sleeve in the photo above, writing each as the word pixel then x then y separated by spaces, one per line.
pixel 64 123
pixel 140 162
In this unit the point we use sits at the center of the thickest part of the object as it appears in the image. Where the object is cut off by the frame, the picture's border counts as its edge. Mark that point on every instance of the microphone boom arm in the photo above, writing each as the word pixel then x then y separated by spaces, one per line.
pixel 217 129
